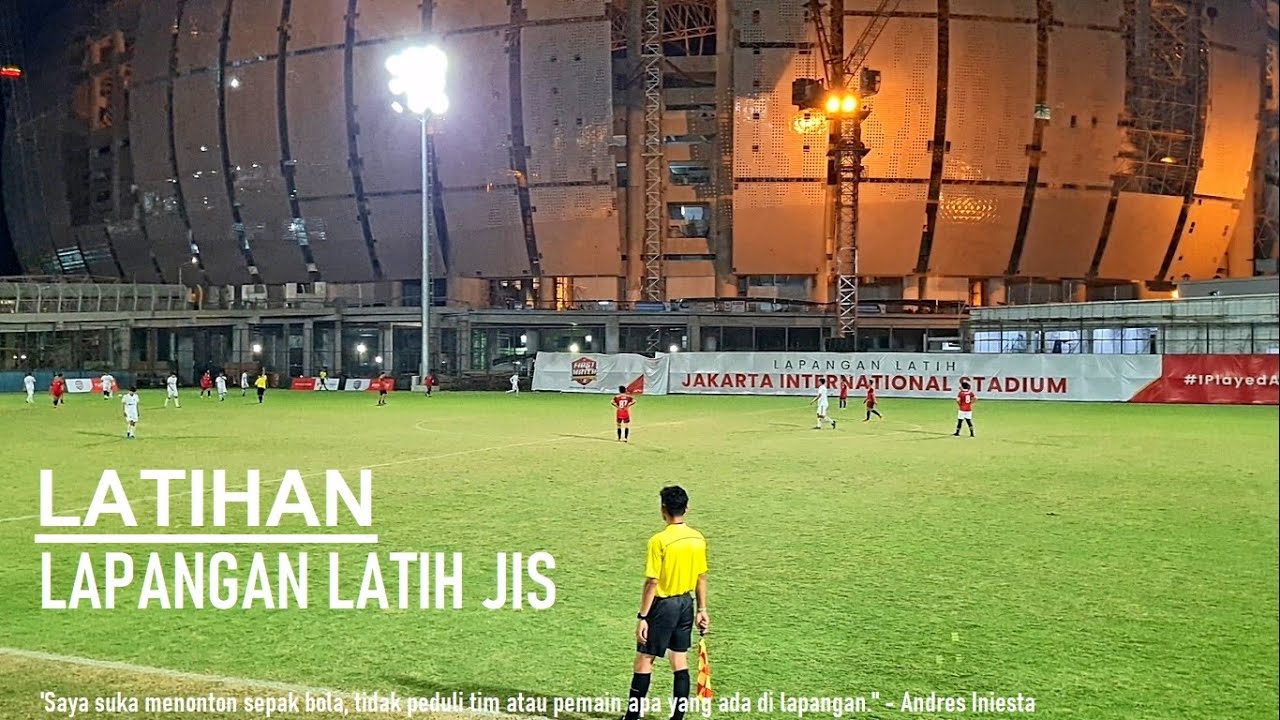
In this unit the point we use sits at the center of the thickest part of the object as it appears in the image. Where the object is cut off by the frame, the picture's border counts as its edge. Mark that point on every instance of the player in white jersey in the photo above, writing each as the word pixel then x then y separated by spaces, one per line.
pixel 108 386
pixel 221 384
pixel 171 391
pixel 515 384
pixel 130 402
pixel 29 384
pixel 244 383
pixel 822 400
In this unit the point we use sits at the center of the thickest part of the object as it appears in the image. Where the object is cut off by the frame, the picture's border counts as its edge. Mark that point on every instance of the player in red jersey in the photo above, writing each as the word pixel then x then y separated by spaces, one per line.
pixel 206 385
pixel 870 402
pixel 844 394
pixel 622 403
pixel 56 388
pixel 964 408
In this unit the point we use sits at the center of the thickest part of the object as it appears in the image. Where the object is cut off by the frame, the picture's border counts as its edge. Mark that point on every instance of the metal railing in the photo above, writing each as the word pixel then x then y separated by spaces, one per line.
pixel 45 295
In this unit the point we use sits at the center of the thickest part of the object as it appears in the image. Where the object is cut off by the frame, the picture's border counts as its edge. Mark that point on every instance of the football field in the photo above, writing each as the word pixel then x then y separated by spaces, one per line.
pixel 1111 561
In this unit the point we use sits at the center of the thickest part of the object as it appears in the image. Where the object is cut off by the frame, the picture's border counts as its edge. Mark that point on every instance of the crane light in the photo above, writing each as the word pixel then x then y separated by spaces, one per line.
pixel 841 103
pixel 833 104
pixel 848 104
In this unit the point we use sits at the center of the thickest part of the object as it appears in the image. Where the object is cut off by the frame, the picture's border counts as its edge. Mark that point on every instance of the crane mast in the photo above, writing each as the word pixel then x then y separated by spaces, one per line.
pixel 846 78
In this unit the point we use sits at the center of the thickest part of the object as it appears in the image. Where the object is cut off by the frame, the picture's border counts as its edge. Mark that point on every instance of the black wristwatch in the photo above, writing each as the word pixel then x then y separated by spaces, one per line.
pixel 641 616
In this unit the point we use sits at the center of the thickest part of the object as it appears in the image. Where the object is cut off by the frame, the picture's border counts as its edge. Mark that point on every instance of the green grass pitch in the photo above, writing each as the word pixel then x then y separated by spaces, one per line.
pixel 1113 561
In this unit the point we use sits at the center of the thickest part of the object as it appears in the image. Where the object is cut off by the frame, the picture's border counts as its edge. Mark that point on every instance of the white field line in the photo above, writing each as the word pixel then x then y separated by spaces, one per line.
pixel 422 458
pixel 196 677
pixel 203 539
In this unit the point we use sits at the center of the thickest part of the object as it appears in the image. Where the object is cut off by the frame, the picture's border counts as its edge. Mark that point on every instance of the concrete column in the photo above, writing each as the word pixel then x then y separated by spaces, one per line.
pixel 308 346
pixel 386 347
pixel 338 350
pixel 612 335
pixel 533 342
pixel 464 345
pixel 122 356
pixel 694 333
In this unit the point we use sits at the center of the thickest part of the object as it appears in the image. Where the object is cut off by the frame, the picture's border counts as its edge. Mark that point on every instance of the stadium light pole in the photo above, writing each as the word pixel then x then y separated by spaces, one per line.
pixel 418 76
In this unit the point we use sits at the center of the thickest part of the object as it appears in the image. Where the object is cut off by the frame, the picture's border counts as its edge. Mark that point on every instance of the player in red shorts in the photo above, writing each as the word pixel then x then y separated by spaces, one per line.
pixel 964 408
pixel 844 394
pixel 622 403
pixel 56 389
pixel 870 402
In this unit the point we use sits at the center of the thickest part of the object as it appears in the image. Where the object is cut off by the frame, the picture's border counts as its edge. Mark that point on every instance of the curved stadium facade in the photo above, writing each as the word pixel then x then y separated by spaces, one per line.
pixel 1011 140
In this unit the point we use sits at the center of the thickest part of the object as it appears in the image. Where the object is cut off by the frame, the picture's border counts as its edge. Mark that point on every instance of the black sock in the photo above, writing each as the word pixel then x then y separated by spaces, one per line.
pixel 958 424
pixel 877 413
pixel 619 433
pixel 970 424
pixel 680 692
pixel 868 414
pixel 626 433
pixel 639 688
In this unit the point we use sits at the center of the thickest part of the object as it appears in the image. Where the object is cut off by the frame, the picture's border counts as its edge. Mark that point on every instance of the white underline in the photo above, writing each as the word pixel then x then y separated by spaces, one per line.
pixel 207 539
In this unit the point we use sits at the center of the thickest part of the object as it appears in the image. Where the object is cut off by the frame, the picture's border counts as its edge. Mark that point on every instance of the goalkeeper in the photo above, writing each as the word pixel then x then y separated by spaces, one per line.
pixel 675 570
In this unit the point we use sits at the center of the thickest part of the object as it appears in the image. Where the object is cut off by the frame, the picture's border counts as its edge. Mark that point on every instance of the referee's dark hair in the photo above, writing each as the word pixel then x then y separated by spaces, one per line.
pixel 674 500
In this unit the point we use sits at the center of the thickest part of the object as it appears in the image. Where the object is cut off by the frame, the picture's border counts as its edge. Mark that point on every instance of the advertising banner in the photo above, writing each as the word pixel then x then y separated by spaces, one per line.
pixel 919 375
pixel 1215 379
pixel 358 384
pixel 302 383
pixel 83 385
pixel 593 373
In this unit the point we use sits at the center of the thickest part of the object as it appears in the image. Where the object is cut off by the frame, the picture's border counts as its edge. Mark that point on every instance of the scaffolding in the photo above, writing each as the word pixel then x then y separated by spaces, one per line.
pixel 1267 163
pixel 651 77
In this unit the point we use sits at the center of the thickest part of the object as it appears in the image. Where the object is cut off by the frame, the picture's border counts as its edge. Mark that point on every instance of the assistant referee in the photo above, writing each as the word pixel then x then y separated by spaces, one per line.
pixel 675 570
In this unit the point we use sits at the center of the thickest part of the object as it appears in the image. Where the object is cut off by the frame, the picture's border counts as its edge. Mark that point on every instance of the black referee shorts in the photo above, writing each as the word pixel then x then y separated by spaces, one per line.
pixel 670 626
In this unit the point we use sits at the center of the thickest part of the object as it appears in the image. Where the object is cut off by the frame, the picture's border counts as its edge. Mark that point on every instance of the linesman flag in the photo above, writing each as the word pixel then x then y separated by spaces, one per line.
pixel 704 669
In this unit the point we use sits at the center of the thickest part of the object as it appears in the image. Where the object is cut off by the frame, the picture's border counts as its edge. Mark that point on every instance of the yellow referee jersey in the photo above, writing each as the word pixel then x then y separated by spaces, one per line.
pixel 676 557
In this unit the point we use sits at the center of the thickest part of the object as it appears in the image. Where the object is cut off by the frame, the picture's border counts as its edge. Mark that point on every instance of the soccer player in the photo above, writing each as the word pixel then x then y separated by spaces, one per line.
pixel 964 408
pixel 29 384
pixel 130 402
pixel 844 395
pixel 261 385
pixel 382 388
pixel 427 383
pixel 870 402
pixel 675 568
pixel 57 388
pixel 622 403
pixel 108 386
pixel 822 400
pixel 221 384
pixel 515 384
pixel 171 390
pixel 244 382
pixel 206 385
pixel 324 379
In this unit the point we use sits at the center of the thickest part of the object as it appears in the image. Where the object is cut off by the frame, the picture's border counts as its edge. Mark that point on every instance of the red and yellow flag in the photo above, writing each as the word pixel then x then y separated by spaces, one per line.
pixel 704 670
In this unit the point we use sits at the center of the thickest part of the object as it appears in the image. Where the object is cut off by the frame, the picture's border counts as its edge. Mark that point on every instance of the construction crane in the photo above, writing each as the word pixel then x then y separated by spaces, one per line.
pixel 848 84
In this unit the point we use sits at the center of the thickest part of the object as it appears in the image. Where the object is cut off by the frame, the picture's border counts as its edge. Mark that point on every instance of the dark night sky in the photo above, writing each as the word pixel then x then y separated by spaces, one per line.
pixel 29 19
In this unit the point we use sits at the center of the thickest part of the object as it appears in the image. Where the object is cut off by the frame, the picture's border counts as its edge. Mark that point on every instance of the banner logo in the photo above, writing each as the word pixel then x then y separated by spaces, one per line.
pixel 583 371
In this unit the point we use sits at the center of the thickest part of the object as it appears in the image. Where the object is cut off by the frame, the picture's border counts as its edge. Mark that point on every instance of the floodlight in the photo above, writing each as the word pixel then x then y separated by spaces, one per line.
pixel 257 348
pixel 674 348
pixel 361 348
pixel 377 359
pixel 573 347
pixel 418 75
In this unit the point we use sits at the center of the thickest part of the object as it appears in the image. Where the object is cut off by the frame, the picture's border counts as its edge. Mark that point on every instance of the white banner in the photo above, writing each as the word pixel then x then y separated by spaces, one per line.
pixel 591 373
pixel 357 384
pixel 79 385
pixel 1014 377
pixel 329 384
